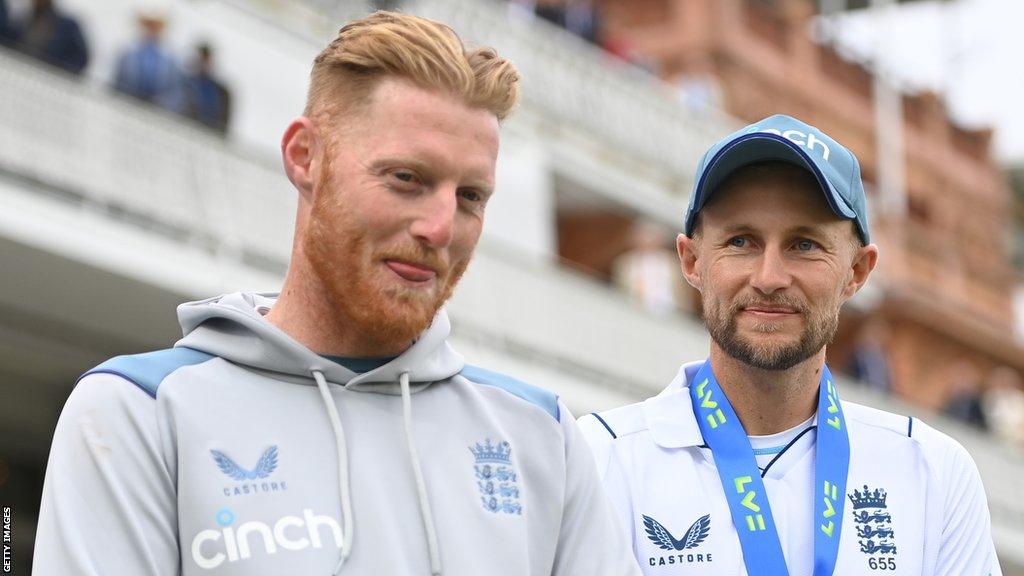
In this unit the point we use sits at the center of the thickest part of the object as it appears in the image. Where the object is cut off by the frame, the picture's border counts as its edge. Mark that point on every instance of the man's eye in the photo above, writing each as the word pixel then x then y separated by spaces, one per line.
pixel 805 245
pixel 471 195
pixel 738 241
pixel 404 176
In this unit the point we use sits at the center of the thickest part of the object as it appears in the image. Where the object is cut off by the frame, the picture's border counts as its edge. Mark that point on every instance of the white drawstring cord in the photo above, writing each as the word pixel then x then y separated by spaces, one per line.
pixel 421 487
pixel 342 449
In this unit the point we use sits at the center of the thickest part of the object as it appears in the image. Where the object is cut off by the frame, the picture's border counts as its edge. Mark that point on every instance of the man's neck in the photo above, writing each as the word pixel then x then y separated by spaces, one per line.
pixel 304 312
pixel 769 401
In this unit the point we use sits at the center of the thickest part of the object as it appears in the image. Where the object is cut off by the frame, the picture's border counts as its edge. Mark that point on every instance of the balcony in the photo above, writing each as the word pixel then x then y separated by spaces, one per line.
pixel 581 93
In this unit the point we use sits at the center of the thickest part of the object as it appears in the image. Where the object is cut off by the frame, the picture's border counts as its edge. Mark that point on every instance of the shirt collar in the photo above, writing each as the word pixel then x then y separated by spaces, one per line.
pixel 669 415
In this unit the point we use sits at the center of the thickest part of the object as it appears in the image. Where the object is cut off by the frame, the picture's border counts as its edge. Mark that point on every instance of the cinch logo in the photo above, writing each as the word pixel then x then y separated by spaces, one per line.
pixel 662 538
pixel 211 548
pixel 808 141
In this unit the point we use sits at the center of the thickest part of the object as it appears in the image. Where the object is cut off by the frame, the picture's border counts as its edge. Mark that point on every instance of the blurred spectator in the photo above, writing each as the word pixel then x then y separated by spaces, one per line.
pixel 649 270
pixel 204 98
pixel 582 19
pixel 6 35
pixel 1003 403
pixel 963 400
pixel 869 362
pixel 577 16
pixel 551 10
pixel 52 37
pixel 620 47
pixel 523 9
pixel 697 87
pixel 146 70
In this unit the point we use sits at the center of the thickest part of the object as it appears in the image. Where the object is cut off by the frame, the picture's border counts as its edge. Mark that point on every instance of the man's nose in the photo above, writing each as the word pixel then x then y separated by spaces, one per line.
pixel 770 272
pixel 434 225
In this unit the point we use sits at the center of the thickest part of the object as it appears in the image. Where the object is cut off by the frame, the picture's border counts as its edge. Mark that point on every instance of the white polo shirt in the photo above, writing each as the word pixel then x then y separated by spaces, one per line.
pixel 915 504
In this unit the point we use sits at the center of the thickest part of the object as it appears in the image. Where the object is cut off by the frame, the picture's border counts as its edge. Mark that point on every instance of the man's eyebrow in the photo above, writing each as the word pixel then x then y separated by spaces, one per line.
pixel 819 234
pixel 802 230
pixel 805 230
pixel 407 162
pixel 739 228
pixel 429 169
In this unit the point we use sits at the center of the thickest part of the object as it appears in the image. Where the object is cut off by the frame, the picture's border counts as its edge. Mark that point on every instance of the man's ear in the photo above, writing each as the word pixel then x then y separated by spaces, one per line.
pixel 863 263
pixel 688 249
pixel 299 151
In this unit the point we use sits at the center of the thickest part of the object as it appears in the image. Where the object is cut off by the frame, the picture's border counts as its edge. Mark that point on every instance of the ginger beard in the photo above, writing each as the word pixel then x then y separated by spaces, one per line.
pixel 722 324
pixel 353 274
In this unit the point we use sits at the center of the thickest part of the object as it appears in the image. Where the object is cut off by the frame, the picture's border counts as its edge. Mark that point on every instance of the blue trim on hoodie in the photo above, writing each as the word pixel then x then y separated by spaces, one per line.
pixel 148 370
pixel 539 397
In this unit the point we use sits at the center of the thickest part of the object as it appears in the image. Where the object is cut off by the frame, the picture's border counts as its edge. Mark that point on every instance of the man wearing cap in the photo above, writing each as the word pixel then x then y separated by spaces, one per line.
pixel 748 462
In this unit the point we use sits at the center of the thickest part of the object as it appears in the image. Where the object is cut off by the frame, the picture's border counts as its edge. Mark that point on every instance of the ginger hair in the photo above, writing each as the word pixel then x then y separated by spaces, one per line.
pixel 425 52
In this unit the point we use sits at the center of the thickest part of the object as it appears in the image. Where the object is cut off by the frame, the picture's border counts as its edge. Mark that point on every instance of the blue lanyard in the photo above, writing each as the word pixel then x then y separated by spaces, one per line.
pixel 744 489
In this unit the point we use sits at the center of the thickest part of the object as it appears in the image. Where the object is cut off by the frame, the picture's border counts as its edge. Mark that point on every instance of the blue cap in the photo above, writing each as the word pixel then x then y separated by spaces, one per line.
pixel 785 139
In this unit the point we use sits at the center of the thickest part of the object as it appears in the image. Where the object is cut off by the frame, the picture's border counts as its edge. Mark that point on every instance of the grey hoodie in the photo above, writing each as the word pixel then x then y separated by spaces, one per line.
pixel 239 451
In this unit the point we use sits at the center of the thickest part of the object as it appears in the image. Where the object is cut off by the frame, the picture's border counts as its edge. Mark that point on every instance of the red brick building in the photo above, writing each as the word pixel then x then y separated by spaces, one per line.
pixel 946 275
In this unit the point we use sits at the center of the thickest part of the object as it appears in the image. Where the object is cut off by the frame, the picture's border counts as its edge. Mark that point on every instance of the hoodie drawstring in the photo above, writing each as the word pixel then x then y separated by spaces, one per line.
pixel 343 486
pixel 421 486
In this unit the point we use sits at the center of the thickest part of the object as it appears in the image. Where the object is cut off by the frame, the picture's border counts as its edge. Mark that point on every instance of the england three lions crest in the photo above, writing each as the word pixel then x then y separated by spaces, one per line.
pixel 496 477
pixel 874 527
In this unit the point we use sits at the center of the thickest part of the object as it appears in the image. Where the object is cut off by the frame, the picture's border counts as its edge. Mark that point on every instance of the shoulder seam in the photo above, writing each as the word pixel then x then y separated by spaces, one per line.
pixel 603 423
pixel 626 419
pixel 120 375
pixel 539 397
pixel 882 427
pixel 893 428
pixel 151 372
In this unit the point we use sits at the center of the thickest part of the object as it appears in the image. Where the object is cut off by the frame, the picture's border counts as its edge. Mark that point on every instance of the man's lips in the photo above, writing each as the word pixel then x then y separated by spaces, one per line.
pixel 411 272
pixel 770 311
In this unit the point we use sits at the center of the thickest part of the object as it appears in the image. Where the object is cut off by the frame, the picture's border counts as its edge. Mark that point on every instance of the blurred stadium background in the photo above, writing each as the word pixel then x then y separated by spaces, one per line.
pixel 115 209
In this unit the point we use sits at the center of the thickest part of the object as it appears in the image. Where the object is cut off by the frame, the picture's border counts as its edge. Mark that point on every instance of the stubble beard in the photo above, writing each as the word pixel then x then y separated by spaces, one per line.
pixel 722 325
pixel 384 314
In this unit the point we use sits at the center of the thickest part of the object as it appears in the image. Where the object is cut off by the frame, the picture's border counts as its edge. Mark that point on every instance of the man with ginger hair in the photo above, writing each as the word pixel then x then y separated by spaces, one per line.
pixel 331 429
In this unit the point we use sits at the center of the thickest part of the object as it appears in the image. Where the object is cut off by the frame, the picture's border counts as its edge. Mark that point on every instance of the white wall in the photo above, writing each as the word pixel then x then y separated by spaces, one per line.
pixel 521 213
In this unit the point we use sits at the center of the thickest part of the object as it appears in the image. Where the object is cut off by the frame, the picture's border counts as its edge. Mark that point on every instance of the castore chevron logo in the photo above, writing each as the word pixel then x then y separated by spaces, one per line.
pixel 680 550
pixel 663 539
pixel 264 467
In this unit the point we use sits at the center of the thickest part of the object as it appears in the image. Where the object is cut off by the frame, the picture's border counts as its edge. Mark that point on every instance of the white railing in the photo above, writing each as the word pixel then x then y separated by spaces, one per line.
pixel 581 89
pixel 112 154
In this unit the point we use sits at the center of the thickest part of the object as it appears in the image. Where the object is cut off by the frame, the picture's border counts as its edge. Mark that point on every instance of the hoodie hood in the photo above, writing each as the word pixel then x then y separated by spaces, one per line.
pixel 233 327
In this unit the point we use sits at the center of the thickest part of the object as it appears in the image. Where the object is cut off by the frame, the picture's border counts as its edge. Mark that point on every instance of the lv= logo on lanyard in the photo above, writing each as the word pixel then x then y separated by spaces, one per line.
pixel 744 489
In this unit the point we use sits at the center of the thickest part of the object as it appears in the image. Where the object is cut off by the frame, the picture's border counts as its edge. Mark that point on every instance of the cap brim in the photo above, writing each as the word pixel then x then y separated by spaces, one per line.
pixel 761 147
